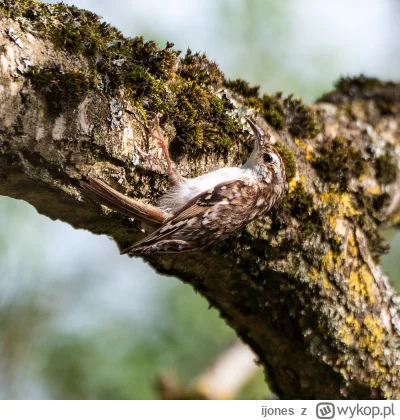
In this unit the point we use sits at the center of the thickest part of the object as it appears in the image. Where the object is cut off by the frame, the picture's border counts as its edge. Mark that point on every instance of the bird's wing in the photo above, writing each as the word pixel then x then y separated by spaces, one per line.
pixel 104 194
pixel 202 215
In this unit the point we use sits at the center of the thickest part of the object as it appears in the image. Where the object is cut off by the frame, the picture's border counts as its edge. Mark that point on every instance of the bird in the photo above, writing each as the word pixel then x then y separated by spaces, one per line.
pixel 198 212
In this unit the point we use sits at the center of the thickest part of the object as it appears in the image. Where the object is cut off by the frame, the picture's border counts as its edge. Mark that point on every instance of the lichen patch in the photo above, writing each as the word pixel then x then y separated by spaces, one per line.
pixel 59 128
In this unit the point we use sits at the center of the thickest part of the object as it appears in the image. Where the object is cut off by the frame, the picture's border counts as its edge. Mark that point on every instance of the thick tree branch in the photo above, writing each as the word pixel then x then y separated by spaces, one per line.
pixel 301 286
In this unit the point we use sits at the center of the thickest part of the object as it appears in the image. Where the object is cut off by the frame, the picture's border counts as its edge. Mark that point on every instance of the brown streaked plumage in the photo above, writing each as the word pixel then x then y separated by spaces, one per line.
pixel 200 211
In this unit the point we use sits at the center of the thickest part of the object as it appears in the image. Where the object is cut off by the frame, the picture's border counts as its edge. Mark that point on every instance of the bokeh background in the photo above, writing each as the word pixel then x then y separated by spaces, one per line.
pixel 79 321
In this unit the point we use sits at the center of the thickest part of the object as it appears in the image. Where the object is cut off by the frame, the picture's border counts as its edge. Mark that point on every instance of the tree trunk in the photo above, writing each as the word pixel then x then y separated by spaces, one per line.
pixel 302 286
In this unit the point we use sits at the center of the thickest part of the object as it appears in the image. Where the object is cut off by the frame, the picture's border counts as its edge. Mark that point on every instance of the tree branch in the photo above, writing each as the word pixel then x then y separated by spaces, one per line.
pixel 302 286
pixel 230 372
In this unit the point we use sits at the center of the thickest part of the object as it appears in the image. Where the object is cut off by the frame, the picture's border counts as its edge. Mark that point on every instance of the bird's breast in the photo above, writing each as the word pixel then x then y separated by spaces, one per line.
pixel 183 192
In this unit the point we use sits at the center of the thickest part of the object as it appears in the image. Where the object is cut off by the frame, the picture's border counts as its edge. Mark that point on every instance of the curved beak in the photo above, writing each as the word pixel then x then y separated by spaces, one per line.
pixel 258 146
pixel 256 132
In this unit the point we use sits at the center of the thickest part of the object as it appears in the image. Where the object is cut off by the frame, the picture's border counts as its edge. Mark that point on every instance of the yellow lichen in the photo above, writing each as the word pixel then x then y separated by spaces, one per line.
pixel 374 326
pixel 320 276
pixel 352 322
pixel 314 275
pixel 292 185
pixel 349 330
pixel 302 179
pixel 374 190
pixel 392 394
pixel 326 283
pixel 308 149
pixel 367 280
pixel 360 284
pixel 294 182
pixel 328 261
pixel 354 285
pixel 332 222
pixel 372 336
pixel 379 374
pixel 352 246
pixel 340 202
pixel 346 335
pixel 337 208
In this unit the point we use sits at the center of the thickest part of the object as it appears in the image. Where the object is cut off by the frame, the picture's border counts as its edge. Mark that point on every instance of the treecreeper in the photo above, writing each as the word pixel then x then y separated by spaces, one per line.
pixel 200 211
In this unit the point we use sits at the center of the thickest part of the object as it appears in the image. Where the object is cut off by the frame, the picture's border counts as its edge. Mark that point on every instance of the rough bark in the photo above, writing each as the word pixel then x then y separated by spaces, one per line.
pixel 302 286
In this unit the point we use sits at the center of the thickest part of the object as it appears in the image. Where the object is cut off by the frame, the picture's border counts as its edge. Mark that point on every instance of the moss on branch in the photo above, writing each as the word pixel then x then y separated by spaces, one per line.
pixel 157 80
pixel 63 90
pixel 338 162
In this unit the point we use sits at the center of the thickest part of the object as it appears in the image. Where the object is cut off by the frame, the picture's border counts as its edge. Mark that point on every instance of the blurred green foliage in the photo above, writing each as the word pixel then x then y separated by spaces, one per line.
pixel 118 361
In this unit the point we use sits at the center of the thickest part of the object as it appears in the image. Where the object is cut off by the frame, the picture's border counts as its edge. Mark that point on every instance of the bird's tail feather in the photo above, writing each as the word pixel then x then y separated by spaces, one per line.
pixel 102 193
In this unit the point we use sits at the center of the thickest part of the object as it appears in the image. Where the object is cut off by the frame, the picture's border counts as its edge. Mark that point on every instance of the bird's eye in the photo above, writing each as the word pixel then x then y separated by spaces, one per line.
pixel 268 158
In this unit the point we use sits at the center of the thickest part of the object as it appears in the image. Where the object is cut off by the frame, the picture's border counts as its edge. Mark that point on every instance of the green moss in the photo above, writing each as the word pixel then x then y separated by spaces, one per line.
pixel 377 244
pixel 338 162
pixel 347 110
pixel 369 218
pixel 13 9
pixel 273 111
pixel 270 107
pixel 217 106
pixel 242 88
pixel 87 38
pixel 288 159
pixel 299 203
pixel 72 29
pixel 279 112
pixel 187 101
pixel 197 67
pixel 386 169
pixel 141 84
pixel 180 90
pixel 387 107
pixel 300 118
pixel 385 95
pixel 348 85
pixel 201 120
pixel 63 90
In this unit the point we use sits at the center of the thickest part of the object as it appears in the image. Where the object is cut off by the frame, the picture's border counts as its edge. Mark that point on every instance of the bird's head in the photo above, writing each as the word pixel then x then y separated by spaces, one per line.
pixel 265 159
